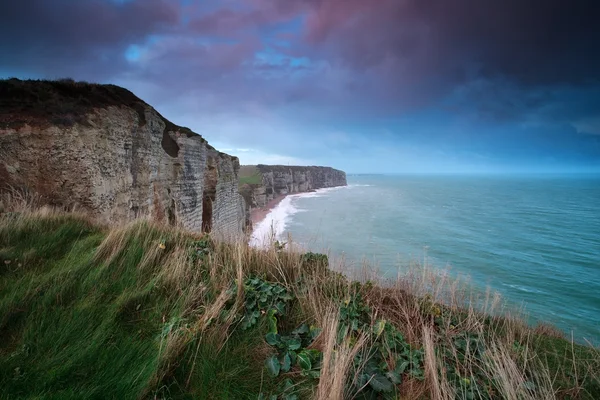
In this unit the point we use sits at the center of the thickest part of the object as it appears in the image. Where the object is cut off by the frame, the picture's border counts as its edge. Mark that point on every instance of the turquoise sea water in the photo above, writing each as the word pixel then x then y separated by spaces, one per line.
pixel 536 240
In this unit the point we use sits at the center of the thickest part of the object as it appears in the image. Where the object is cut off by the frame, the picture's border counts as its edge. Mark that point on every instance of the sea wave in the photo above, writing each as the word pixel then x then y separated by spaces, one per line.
pixel 272 227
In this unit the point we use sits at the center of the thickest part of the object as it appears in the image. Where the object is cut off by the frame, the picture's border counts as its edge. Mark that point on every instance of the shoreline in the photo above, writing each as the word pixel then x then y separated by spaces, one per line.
pixel 258 215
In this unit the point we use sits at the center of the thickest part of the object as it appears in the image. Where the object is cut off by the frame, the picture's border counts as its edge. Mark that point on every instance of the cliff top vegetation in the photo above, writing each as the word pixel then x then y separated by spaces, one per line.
pixel 145 311
pixel 65 102
pixel 250 175
pixel 286 168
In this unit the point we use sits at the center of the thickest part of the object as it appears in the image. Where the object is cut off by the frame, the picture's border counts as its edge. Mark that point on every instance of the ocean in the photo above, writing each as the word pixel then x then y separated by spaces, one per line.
pixel 534 239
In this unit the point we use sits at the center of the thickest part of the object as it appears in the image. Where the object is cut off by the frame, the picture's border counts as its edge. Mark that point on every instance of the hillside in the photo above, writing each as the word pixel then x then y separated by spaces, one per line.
pixel 145 311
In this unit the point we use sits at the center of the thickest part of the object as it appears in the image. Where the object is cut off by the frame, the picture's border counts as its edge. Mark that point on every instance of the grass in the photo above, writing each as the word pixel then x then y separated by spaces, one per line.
pixel 145 311
pixel 249 175
pixel 248 178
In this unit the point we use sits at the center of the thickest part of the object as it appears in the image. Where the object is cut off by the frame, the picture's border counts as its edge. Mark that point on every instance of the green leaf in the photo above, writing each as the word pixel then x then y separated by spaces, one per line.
pixel 394 377
pixel 286 297
pixel 272 321
pixel 280 306
pixel 273 366
pixel 245 323
pixel 380 383
pixel 304 360
pixel 301 330
pixel 314 332
pixel 278 289
pixel 400 368
pixel 286 385
pixel 286 363
pixel 363 379
pixel 417 373
pixel 314 354
pixel 294 343
pixel 314 373
pixel 272 339
pixel 293 356
pixel 379 327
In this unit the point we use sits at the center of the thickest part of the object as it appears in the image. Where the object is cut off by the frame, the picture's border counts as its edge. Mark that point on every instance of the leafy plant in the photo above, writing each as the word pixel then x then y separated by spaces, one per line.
pixel 389 359
pixel 263 298
pixel 293 351
pixel 200 249
pixel 314 260
pixel 354 314
pixel 470 383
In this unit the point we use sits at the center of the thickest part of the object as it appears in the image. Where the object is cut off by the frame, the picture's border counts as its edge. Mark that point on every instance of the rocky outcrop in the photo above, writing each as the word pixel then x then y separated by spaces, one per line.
pixel 279 180
pixel 100 149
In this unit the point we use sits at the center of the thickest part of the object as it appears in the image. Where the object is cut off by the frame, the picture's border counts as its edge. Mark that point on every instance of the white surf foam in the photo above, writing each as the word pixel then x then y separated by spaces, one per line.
pixel 273 226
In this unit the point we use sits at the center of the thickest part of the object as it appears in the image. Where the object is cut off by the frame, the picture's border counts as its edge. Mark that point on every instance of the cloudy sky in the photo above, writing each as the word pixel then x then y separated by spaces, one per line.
pixel 362 85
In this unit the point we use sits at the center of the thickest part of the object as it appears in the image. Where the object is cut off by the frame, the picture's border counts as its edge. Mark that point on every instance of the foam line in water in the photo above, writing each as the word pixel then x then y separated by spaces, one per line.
pixel 272 227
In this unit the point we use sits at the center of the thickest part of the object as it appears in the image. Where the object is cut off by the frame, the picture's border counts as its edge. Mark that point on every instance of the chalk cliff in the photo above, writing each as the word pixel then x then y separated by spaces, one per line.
pixel 102 150
pixel 276 180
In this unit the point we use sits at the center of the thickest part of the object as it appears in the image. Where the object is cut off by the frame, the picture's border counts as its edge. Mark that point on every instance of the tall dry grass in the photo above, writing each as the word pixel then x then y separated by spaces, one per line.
pixel 18 200
pixel 431 309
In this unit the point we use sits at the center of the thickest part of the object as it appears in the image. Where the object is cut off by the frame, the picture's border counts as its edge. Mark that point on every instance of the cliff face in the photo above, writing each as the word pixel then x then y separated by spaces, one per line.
pixel 102 150
pixel 280 180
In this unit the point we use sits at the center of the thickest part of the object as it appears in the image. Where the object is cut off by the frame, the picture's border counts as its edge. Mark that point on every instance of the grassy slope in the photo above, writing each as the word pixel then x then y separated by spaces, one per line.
pixel 250 175
pixel 77 327
pixel 141 311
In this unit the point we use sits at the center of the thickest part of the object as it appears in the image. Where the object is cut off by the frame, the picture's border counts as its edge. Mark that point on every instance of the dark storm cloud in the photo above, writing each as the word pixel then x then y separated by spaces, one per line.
pixel 534 42
pixel 51 37
pixel 420 50
pixel 308 68
pixel 396 53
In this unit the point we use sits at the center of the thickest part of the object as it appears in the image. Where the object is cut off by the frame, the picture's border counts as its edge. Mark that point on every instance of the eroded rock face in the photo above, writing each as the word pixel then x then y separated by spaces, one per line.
pixel 230 211
pixel 280 180
pixel 119 163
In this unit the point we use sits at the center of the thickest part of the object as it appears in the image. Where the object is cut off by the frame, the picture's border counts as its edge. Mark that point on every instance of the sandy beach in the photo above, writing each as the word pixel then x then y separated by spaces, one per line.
pixel 259 214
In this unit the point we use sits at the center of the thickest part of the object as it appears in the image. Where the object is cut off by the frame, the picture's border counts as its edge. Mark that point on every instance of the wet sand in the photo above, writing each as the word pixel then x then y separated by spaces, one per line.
pixel 259 214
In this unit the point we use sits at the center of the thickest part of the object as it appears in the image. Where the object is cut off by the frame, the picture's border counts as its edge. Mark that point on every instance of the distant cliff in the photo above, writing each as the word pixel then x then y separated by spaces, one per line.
pixel 262 183
pixel 102 150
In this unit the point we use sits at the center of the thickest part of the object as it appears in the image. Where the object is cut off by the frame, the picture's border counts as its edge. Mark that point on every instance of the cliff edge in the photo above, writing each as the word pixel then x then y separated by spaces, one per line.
pixel 260 184
pixel 101 149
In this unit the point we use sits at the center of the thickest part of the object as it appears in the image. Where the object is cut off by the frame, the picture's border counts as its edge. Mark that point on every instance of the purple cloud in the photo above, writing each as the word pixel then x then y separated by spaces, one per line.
pixel 313 68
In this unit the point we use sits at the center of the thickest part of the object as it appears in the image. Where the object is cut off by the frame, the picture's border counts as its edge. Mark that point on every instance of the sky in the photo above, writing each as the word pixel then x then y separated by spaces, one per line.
pixel 372 86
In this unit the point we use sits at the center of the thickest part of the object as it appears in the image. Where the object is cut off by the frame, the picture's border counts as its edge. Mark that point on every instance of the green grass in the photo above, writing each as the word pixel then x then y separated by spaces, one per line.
pixel 88 312
pixel 249 175
pixel 73 327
